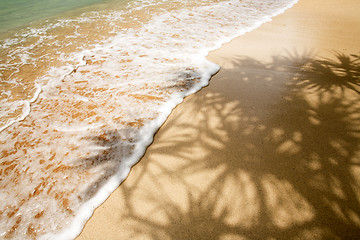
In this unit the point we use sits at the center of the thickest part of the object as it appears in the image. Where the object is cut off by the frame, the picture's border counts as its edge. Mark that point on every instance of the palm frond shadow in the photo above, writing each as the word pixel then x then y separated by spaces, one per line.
pixel 285 150
pixel 119 144
pixel 327 75
pixel 116 145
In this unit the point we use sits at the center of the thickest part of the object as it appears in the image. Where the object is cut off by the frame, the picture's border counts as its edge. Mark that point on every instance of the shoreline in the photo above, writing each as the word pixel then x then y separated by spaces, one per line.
pixel 85 125
pixel 253 154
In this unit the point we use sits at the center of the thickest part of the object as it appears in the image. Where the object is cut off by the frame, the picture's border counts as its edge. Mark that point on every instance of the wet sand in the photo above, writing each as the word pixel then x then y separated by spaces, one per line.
pixel 269 150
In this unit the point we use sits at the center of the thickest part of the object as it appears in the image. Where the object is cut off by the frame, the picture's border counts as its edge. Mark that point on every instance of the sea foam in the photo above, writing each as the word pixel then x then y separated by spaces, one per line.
pixel 108 81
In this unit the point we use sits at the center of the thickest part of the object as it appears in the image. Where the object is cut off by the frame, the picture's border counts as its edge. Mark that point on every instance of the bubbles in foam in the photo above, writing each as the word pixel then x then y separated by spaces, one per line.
pixel 108 82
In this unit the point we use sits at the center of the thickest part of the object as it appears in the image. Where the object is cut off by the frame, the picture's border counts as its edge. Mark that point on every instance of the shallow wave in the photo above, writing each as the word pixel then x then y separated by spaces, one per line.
pixel 108 81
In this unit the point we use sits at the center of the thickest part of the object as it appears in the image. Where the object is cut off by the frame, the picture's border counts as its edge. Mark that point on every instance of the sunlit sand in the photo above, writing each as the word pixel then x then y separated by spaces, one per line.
pixel 269 150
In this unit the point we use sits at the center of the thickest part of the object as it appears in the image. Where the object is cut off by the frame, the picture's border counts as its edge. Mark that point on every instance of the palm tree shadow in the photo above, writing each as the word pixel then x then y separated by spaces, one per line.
pixel 115 146
pixel 329 75
pixel 284 148
pixel 118 146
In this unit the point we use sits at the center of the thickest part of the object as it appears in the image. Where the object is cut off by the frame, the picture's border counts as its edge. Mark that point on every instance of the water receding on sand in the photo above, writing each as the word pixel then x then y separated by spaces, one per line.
pixel 82 96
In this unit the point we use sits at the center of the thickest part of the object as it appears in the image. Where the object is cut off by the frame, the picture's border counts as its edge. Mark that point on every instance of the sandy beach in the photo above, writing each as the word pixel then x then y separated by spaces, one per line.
pixel 269 150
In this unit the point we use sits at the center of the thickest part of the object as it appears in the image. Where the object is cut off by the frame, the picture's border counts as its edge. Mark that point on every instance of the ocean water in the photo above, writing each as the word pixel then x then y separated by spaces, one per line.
pixel 17 13
pixel 83 90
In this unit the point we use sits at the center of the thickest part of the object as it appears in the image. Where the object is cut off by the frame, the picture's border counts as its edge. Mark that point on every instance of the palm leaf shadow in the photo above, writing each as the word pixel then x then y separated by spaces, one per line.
pixel 304 152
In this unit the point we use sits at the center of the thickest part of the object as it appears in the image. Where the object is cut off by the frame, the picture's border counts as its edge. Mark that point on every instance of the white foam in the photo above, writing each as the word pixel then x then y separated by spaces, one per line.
pixel 25 105
pixel 197 53
pixel 162 61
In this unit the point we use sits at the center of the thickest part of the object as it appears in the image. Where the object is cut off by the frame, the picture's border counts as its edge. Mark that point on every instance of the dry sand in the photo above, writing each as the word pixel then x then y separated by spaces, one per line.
pixel 269 150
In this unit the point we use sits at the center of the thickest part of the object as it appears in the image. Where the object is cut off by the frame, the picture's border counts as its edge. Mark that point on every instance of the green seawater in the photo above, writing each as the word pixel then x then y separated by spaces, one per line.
pixel 19 13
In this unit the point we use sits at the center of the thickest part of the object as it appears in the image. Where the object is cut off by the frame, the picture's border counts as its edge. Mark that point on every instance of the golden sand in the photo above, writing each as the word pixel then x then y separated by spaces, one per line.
pixel 270 150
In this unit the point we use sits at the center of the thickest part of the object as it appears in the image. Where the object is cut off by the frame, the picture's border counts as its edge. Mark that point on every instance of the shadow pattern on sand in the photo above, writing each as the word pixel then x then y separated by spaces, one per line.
pixel 279 159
